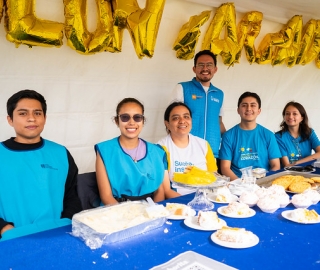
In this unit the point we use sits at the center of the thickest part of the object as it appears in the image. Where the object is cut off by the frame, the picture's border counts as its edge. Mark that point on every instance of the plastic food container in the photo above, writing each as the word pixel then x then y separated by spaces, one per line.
pixel 259 172
pixel 109 224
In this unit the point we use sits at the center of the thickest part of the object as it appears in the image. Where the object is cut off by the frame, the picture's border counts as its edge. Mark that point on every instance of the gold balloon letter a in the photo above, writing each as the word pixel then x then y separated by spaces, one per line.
pixel 228 47
pixel 188 36
pixel 23 27
pixel 142 24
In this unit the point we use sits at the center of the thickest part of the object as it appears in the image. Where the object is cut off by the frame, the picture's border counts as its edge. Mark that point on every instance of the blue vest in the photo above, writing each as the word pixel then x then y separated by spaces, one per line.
pixel 205 108
pixel 32 186
pixel 130 178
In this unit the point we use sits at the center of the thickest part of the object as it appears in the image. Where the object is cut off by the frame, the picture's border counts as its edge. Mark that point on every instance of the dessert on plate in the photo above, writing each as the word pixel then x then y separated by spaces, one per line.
pixel 301 200
pixel 269 203
pixel 304 215
pixel 235 235
pixel 249 197
pixel 194 176
pixel 208 219
pixel 178 209
pixel 313 195
pixel 236 208
pixel 223 194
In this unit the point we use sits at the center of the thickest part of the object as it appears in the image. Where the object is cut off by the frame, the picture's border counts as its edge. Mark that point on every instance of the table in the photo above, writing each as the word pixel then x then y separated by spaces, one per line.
pixel 283 245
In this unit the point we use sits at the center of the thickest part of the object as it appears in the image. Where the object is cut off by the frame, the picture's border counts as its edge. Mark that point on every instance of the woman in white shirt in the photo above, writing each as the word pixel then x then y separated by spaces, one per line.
pixel 184 149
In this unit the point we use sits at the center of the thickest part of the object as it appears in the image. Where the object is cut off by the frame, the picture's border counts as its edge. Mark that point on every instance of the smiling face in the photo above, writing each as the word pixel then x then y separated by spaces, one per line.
pixel 180 122
pixel 249 109
pixel 130 129
pixel 292 116
pixel 205 69
pixel 28 121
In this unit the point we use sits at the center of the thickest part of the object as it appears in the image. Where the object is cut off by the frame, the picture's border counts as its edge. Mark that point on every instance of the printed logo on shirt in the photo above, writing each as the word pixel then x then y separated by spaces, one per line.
pixel 215 99
pixel 47 166
pixel 150 176
pixel 195 97
pixel 248 154
pixel 180 166
pixel 294 157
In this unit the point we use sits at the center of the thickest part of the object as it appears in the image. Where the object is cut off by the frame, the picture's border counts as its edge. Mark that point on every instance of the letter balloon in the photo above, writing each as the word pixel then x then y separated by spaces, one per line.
pixel 23 27
pixel 188 36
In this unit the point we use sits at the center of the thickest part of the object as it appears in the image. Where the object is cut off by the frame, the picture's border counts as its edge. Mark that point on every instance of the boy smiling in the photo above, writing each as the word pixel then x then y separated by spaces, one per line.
pixel 38 177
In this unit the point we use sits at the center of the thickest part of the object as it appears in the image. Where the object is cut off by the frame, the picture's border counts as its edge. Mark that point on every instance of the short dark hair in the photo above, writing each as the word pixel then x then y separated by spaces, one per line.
pixel 30 94
pixel 205 52
pixel 171 107
pixel 249 94
pixel 125 101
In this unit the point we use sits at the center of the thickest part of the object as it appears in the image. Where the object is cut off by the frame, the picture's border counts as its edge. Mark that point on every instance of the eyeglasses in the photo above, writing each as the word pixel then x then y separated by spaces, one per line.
pixel 126 117
pixel 208 65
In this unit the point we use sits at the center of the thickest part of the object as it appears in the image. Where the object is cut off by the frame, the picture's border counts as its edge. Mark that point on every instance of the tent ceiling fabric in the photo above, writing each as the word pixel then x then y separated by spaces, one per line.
pixel 274 10
pixel 82 91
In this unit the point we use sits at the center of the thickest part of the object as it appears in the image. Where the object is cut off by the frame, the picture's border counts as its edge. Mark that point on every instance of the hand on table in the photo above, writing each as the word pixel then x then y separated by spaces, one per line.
pixel 6 228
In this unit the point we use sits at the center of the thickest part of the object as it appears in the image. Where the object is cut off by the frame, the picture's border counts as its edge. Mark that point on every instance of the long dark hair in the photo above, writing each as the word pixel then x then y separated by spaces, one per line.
pixel 304 129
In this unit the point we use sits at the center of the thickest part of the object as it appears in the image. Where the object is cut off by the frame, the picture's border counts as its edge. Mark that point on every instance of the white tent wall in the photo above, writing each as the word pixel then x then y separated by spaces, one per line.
pixel 82 91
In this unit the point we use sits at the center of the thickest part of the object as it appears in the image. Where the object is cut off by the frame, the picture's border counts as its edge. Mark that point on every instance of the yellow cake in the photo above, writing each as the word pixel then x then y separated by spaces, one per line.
pixel 194 176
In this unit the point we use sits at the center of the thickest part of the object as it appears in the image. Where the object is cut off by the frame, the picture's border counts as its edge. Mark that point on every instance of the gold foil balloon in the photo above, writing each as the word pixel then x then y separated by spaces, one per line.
pixel 188 36
pixel 1 9
pixel 142 24
pixel 287 42
pixel 310 44
pixel 23 27
pixel 248 29
pixel 228 46
pixel 264 52
pixel 76 30
pixel 103 37
pixel 79 37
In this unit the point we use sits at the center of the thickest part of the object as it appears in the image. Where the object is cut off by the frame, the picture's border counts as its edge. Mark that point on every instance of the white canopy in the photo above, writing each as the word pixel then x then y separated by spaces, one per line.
pixel 82 91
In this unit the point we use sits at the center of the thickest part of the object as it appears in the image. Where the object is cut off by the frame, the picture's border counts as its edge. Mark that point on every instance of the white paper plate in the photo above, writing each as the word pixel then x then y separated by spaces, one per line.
pixel 250 214
pixel 191 213
pixel 252 243
pixel 212 197
pixel 192 222
pixel 287 215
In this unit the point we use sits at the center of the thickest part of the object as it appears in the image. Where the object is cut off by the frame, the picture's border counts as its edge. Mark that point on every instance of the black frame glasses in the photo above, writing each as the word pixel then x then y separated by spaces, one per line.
pixel 126 117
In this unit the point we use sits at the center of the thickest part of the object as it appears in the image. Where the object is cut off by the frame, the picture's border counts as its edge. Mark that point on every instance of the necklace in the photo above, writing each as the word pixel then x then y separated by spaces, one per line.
pixel 136 153
pixel 133 153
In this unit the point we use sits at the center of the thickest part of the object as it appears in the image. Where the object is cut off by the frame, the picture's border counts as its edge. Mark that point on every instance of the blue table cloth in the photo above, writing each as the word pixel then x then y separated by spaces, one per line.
pixel 283 245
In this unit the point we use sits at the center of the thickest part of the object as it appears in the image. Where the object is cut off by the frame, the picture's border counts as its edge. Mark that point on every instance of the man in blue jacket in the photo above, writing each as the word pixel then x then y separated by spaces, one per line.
pixel 204 100
pixel 38 178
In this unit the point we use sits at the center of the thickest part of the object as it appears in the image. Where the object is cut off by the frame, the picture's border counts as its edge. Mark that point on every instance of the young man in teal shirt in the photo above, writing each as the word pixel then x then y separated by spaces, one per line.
pixel 248 143
pixel 38 178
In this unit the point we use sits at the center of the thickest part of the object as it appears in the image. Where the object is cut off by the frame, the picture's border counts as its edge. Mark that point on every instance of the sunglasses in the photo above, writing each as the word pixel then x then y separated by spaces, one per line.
pixel 126 117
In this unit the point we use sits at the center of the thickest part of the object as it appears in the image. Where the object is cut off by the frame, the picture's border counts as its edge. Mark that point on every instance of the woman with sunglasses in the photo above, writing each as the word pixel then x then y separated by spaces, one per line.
pixel 184 149
pixel 296 139
pixel 127 167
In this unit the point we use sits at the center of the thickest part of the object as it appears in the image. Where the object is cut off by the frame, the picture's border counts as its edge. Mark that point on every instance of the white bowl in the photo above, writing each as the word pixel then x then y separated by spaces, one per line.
pixel 270 211
pixel 301 205
pixel 249 204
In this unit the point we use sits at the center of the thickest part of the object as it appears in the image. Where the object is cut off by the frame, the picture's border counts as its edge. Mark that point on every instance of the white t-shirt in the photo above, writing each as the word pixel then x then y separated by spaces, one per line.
pixel 194 154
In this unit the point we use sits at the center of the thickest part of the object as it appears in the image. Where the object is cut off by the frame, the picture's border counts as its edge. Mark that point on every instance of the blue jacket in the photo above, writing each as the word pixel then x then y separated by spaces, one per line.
pixel 205 108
